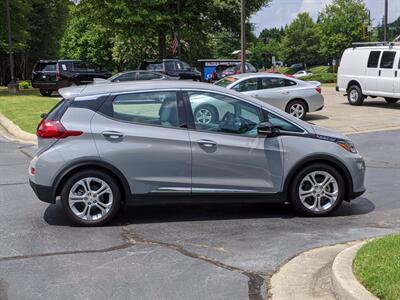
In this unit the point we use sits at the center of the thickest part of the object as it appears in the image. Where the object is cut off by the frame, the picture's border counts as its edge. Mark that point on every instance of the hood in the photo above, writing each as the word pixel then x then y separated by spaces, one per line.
pixel 326 132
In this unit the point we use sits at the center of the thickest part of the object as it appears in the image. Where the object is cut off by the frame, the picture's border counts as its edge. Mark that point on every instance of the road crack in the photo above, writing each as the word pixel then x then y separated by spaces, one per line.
pixel 256 280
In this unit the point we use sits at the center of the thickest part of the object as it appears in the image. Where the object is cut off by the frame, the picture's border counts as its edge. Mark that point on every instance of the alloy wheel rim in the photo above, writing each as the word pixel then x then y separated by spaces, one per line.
pixel 353 95
pixel 90 199
pixel 297 110
pixel 203 116
pixel 318 191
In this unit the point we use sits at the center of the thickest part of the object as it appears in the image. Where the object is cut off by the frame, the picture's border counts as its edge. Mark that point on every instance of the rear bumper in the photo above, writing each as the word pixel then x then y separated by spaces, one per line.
pixel 45 86
pixel 44 193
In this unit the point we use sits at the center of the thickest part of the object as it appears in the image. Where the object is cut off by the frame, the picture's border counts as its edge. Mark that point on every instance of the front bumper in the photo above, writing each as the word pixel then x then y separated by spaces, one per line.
pixel 44 193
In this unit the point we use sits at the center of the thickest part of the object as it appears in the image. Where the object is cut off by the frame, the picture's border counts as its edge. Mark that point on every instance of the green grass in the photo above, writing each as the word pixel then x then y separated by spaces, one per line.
pixel 25 108
pixel 377 267
pixel 321 70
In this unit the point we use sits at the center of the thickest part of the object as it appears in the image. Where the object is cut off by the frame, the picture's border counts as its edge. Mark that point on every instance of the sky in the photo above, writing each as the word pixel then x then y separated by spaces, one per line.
pixel 282 12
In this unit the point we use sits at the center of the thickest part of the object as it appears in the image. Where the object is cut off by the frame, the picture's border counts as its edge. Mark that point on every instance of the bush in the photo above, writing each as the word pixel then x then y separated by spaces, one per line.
pixel 321 69
pixel 323 78
pixel 24 84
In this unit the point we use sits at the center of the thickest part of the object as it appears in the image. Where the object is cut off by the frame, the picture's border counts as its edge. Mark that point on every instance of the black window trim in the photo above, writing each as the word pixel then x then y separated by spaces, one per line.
pixel 379 59
pixel 262 110
pixel 106 109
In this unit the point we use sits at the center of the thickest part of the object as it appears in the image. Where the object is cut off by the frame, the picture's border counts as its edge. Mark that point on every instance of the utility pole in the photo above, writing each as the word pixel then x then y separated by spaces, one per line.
pixel 243 35
pixel 385 30
pixel 12 86
pixel 178 32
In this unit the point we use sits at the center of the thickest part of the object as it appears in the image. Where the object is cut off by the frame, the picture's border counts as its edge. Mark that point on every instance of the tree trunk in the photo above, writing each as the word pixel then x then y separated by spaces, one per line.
pixel 161 43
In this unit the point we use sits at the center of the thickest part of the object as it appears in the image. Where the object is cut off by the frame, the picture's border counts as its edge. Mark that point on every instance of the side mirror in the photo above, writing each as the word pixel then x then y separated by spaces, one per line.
pixel 267 129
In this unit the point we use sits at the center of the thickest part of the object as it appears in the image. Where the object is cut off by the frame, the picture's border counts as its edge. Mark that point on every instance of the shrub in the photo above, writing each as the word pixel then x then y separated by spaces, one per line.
pixel 321 69
pixel 323 78
pixel 23 84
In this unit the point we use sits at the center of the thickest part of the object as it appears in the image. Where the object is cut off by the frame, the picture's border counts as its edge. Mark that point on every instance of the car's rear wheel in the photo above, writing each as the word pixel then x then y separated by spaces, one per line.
pixel 297 108
pixel 391 100
pixel 317 190
pixel 206 114
pixel 91 198
pixel 355 95
pixel 46 93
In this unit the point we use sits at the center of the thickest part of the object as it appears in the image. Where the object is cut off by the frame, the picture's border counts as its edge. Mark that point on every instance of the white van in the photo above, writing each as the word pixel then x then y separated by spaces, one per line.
pixel 370 71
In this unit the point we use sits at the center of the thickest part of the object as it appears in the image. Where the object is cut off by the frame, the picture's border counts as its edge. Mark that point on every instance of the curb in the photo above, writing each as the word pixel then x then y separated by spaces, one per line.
pixel 15 132
pixel 345 284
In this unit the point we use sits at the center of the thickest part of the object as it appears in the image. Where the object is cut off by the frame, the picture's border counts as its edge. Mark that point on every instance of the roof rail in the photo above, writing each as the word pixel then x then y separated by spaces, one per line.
pixel 358 44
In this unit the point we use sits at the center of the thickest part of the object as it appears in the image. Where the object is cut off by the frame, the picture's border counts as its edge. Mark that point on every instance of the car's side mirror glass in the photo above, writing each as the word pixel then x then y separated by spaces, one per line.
pixel 267 129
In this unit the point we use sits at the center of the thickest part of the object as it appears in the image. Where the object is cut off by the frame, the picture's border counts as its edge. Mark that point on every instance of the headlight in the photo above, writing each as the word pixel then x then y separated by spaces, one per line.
pixel 347 145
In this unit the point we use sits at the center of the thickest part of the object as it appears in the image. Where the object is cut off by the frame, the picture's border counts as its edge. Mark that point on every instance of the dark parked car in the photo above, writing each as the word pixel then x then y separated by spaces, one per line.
pixel 217 74
pixel 172 67
pixel 134 76
pixel 51 75
pixel 236 70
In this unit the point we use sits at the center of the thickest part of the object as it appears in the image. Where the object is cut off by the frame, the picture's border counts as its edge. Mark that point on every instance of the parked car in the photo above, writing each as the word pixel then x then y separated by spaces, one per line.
pixel 131 143
pixel 218 73
pixel 297 66
pixel 51 75
pixel 172 67
pixel 294 96
pixel 302 73
pixel 134 76
pixel 249 68
pixel 370 71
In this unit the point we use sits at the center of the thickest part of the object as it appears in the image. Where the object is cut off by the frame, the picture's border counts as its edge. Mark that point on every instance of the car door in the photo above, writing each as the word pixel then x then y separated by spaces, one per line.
pixel 397 79
pixel 385 84
pixel 274 91
pixel 228 156
pixel 372 72
pixel 142 134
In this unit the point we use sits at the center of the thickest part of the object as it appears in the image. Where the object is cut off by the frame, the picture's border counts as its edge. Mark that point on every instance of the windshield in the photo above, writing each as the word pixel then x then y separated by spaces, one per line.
pixel 226 81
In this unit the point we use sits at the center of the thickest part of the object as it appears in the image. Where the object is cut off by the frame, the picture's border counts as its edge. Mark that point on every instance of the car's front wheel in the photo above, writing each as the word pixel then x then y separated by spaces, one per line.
pixel 297 108
pixel 46 93
pixel 91 198
pixel 355 95
pixel 317 190
pixel 391 100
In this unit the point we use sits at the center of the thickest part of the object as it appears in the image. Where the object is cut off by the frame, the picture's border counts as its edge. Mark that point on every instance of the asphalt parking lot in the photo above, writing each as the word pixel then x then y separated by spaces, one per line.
pixel 178 252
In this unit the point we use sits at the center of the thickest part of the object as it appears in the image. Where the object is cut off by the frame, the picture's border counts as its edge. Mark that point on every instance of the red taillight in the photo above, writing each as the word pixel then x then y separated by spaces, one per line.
pixel 50 129
pixel 214 75
pixel 319 90
pixel 238 71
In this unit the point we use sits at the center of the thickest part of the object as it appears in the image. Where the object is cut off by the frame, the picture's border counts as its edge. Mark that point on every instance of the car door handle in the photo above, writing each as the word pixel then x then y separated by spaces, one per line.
pixel 207 143
pixel 380 72
pixel 115 135
pixel 395 74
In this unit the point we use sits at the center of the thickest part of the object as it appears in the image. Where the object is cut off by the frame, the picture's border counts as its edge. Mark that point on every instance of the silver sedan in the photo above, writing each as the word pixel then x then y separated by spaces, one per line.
pixel 292 95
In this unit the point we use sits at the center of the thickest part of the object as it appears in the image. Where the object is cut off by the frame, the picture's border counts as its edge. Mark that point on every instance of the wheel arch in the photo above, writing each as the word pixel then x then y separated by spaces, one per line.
pixel 353 82
pixel 324 159
pixel 75 167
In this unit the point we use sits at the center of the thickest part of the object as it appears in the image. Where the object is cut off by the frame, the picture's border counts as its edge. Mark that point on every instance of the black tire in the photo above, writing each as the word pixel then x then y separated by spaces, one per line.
pixel 212 110
pixel 298 103
pixel 46 93
pixel 93 173
pixel 391 100
pixel 355 95
pixel 295 190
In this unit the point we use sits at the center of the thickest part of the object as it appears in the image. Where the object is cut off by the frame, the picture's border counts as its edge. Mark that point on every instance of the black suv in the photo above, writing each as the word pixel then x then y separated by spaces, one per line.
pixel 172 67
pixel 51 75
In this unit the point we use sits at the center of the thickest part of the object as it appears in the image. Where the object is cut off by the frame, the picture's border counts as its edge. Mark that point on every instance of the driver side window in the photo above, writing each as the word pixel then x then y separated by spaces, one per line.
pixel 223 114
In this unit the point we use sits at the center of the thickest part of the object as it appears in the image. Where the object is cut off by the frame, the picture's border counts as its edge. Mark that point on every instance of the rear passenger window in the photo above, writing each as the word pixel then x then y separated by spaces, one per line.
pixel 157 108
pixel 387 60
pixel 373 59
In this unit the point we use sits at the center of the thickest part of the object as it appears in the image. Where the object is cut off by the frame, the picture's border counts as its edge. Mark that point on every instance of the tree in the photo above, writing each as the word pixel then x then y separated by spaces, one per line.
pixel 301 41
pixel 340 24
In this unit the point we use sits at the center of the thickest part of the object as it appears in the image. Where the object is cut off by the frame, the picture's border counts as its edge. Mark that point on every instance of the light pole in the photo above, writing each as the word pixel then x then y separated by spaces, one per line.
pixel 385 30
pixel 12 86
pixel 243 35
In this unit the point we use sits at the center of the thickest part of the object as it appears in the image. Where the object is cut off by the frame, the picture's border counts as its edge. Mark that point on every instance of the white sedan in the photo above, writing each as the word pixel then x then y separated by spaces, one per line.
pixel 303 73
pixel 292 95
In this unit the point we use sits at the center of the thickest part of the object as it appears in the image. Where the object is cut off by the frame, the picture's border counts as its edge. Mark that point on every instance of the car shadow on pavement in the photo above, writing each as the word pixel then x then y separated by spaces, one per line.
pixel 54 214
pixel 315 117
pixel 378 104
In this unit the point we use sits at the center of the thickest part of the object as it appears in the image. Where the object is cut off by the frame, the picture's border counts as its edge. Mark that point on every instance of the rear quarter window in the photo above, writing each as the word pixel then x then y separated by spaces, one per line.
pixel 58 110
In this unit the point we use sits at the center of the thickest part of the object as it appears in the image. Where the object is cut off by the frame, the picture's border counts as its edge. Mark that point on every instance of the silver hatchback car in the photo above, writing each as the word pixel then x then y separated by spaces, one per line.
pixel 139 143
